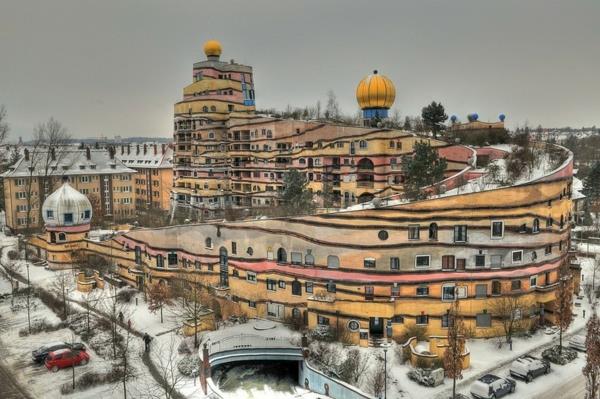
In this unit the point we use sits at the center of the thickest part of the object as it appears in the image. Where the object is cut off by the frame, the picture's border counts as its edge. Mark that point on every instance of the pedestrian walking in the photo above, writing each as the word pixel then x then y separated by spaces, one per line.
pixel 120 316
pixel 147 340
pixel 129 323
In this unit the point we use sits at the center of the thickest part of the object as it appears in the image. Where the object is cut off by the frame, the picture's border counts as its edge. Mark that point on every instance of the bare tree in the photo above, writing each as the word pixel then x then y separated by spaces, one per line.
pixel 89 300
pixel 121 367
pixel 453 356
pixel 192 300
pixel 115 310
pixel 563 310
pixel 4 128
pixel 354 366
pixel 62 285
pixel 158 297
pixel 13 268
pixel 377 379
pixel 332 109
pixel 167 369
pixel 508 309
pixel 591 370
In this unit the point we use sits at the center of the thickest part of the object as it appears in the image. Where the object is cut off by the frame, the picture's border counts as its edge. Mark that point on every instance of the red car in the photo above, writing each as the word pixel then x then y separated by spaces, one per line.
pixel 65 358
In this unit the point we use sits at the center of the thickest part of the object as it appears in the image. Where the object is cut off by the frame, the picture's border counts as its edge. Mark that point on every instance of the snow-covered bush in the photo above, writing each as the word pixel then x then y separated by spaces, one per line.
pixel 183 348
pixel 38 326
pixel 426 377
pixel 552 355
pixel 125 295
pixel 188 365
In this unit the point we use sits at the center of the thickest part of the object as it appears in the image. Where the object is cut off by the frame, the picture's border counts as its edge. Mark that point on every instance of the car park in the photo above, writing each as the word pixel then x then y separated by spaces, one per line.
pixel 528 367
pixel 577 342
pixel 491 386
pixel 39 355
pixel 66 358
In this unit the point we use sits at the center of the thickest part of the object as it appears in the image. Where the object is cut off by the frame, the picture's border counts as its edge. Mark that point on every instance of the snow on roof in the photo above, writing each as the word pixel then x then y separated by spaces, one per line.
pixel 152 158
pixel 577 189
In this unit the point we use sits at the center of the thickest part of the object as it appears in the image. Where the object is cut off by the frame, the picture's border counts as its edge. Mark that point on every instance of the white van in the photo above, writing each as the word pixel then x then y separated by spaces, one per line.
pixel 528 367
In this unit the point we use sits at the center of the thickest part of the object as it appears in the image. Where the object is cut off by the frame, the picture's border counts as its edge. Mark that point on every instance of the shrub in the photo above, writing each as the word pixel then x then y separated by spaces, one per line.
pixel 13 255
pixel 89 380
pixel 38 326
pixel 553 356
pixel 183 348
pixel 412 331
pixel 125 295
pixel 423 363
pixel 188 364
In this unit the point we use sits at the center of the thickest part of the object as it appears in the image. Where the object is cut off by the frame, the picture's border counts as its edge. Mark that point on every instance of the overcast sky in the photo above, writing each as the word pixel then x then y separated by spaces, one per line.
pixel 116 67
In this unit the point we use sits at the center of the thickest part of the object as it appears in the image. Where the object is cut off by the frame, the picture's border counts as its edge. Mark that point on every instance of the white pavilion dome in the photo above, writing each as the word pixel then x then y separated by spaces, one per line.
pixel 66 207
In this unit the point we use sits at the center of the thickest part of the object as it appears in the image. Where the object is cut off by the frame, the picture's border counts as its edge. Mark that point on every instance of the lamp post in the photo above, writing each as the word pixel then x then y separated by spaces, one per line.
pixel 385 347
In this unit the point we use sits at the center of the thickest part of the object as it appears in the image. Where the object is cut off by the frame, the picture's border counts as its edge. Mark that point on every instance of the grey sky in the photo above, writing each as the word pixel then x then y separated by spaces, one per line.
pixel 116 67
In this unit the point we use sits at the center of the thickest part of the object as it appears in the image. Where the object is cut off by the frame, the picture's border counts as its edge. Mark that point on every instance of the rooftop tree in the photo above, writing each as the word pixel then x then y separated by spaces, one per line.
pixel 297 199
pixel 422 169
pixel 434 116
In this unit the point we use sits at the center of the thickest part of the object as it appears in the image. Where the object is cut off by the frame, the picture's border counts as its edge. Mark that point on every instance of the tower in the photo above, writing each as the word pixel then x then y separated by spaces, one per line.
pixel 375 95
pixel 67 215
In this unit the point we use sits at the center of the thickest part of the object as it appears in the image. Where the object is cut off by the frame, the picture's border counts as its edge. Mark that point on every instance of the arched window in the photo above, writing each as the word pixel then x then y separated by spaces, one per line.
pixel 281 256
pixel 208 242
pixel 309 260
pixel 213 108
pixel 62 237
pixel 433 231
pixel 536 226
pixel 296 313
pixel 362 144
pixel 52 237
pixel 205 109
pixel 365 164
pixel 333 262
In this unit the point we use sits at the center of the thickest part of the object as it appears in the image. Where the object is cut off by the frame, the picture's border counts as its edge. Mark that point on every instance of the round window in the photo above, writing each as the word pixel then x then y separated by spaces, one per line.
pixel 353 325
pixel 383 235
pixel 250 251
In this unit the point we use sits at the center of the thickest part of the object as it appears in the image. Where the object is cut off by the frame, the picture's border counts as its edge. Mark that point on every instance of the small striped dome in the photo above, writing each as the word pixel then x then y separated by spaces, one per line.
pixel 375 91
pixel 66 207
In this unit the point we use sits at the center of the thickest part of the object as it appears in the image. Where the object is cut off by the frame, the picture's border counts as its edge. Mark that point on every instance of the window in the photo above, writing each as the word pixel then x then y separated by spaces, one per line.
pixel 394 263
pixel 397 319
pixel 369 263
pixel 353 325
pixel 395 291
pixel 448 292
pixel 414 232
pixel 309 259
pixel 271 285
pixel 536 226
pixel 517 256
pixel 138 255
pixel 423 290
pixel 49 214
pixel 333 262
pixel 281 256
pixel 308 287
pixel 87 214
pixel 447 321
pixel 533 256
pixel 481 290
pixel 330 286
pixel 250 251
pixel 172 259
pixel 235 273
pixel 496 260
pixel 383 235
pixel 296 258
pixel 422 319
pixel 282 284
pixel 422 260
pixel 433 231
pixel 362 144
pixel 548 249
pixel 251 277
pixel 322 321
pixel 483 320
pixel 447 262
pixel 197 265
pixel 515 285
pixel 460 233
pixel 296 288
pixel 68 218
pixel 233 247
pixel 533 281
pixel 497 229
pixel 62 237
pixel 208 242
pixel 496 287
pixel 251 304
pixel 160 261
pixel 369 293
pixel 549 221
pixel 479 260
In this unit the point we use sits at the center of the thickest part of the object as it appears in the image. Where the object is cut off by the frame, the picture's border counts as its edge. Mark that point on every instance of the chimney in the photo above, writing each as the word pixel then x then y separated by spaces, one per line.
pixel 88 153
pixel 122 149
pixel 111 152
pixel 162 147
pixel 155 149
pixel 145 149
pixel 26 152
pixel 53 154
pixel 128 149
pixel 137 149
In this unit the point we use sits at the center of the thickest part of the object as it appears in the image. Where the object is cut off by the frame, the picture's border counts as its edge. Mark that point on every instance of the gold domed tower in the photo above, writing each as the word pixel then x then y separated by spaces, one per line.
pixel 375 95
pixel 212 49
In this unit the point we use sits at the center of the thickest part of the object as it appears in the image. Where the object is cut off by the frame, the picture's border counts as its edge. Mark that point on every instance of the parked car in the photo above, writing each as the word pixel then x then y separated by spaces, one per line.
pixel 66 358
pixel 39 355
pixel 491 387
pixel 529 367
pixel 578 342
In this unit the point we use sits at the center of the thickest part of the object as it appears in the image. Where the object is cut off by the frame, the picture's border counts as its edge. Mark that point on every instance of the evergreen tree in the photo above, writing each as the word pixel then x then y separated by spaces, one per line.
pixel 434 115
pixel 406 123
pixel 591 371
pixel 422 169
pixel 591 183
pixel 296 198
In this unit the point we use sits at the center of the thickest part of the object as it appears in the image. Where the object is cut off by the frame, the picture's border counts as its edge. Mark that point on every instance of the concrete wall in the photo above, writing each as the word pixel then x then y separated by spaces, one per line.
pixel 321 383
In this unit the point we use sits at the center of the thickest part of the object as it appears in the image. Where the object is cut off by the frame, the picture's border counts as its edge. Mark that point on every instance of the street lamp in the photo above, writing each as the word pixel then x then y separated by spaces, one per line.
pixel 385 347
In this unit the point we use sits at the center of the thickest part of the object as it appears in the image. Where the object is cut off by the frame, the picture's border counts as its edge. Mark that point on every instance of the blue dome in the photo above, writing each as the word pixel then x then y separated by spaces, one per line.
pixel 473 117
pixel 501 117
pixel 454 118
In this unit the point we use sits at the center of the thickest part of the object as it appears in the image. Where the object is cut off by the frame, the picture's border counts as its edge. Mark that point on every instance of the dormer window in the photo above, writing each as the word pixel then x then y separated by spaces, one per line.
pixel 49 214
pixel 68 218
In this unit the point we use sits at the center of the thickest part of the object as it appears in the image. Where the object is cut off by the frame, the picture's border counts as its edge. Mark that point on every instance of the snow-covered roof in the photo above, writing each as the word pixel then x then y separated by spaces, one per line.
pixel 147 156
pixel 577 189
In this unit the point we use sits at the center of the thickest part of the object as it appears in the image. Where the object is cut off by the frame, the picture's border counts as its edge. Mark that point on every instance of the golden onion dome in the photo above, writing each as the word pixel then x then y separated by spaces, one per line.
pixel 375 91
pixel 212 48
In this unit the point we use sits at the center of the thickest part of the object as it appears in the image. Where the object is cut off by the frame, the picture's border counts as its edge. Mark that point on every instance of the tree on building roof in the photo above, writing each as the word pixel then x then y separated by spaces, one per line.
pixel 434 116
pixel 422 169
pixel 296 197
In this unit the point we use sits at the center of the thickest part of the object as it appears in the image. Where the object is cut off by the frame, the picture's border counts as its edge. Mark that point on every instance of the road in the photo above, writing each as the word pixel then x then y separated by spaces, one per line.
pixel 9 387
pixel 573 388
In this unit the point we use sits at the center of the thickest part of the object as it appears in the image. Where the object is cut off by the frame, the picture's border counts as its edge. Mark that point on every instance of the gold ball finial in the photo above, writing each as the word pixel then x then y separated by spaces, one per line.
pixel 212 48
